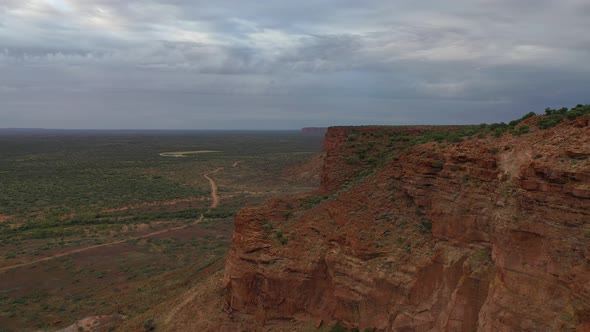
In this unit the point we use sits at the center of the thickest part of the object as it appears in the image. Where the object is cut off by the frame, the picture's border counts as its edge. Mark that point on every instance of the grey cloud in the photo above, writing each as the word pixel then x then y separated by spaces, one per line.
pixel 288 62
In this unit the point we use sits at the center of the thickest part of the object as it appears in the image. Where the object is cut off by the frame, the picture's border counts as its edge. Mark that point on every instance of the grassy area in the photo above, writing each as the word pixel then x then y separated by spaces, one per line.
pixel 125 279
pixel 67 190
pixel 375 149
pixel 57 173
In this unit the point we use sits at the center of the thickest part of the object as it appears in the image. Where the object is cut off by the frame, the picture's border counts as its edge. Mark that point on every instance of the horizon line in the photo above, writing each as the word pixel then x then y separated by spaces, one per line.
pixel 146 129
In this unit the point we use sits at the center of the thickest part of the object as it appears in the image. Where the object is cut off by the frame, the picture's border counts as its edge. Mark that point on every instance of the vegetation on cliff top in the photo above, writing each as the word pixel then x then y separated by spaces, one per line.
pixel 375 148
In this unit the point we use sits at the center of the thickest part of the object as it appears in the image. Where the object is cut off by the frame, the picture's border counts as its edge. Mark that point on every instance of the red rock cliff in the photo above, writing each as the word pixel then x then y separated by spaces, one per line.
pixel 488 234
pixel 314 131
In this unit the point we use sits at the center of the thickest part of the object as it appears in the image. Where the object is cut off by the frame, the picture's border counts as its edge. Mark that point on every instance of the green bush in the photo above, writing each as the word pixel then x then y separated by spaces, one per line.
pixel 499 132
pixel 437 164
pixel 578 111
pixel 553 117
pixel 561 111
pixel 351 138
pixel 425 226
pixel 338 328
pixel 522 130
pixel 513 123
pixel 149 325
pixel 550 121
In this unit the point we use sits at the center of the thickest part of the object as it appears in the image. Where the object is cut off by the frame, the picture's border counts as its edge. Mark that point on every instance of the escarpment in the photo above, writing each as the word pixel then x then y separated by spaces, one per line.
pixel 427 229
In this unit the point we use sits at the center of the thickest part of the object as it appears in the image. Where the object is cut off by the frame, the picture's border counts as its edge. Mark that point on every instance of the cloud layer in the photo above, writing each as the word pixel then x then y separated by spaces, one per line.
pixel 275 64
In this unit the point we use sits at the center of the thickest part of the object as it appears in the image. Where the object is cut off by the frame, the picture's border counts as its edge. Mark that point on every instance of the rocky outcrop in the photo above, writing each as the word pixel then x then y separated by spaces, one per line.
pixel 488 234
pixel 314 131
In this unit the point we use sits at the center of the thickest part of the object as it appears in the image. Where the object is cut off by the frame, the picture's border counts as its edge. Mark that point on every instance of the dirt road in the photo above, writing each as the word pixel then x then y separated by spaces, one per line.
pixel 214 204
pixel 214 195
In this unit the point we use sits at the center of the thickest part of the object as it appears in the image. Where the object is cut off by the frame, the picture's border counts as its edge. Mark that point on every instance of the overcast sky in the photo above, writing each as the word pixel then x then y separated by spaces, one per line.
pixel 250 64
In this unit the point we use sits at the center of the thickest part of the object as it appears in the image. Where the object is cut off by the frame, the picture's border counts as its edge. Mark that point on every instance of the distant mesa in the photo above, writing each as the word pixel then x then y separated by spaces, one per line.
pixel 21 130
pixel 314 131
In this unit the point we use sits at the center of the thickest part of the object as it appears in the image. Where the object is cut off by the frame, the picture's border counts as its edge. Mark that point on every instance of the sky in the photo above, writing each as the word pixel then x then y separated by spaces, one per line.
pixel 237 64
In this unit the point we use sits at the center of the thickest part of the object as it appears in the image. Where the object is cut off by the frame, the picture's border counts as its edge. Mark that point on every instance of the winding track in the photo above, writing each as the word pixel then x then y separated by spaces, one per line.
pixel 214 204
pixel 214 195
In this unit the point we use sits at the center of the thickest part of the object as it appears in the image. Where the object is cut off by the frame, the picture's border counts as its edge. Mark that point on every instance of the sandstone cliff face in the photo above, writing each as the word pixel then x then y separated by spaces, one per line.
pixel 314 131
pixel 489 234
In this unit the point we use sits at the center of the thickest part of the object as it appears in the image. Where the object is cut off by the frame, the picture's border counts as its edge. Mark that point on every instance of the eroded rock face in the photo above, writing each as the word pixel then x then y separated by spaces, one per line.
pixel 314 131
pixel 486 234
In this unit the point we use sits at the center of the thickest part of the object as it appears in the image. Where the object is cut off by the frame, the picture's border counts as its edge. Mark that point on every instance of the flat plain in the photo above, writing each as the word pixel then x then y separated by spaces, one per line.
pixel 107 223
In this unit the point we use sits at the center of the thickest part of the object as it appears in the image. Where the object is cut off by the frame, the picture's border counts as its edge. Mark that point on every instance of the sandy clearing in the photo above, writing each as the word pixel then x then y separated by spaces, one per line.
pixel 95 323
pixel 185 153
pixel 4 217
